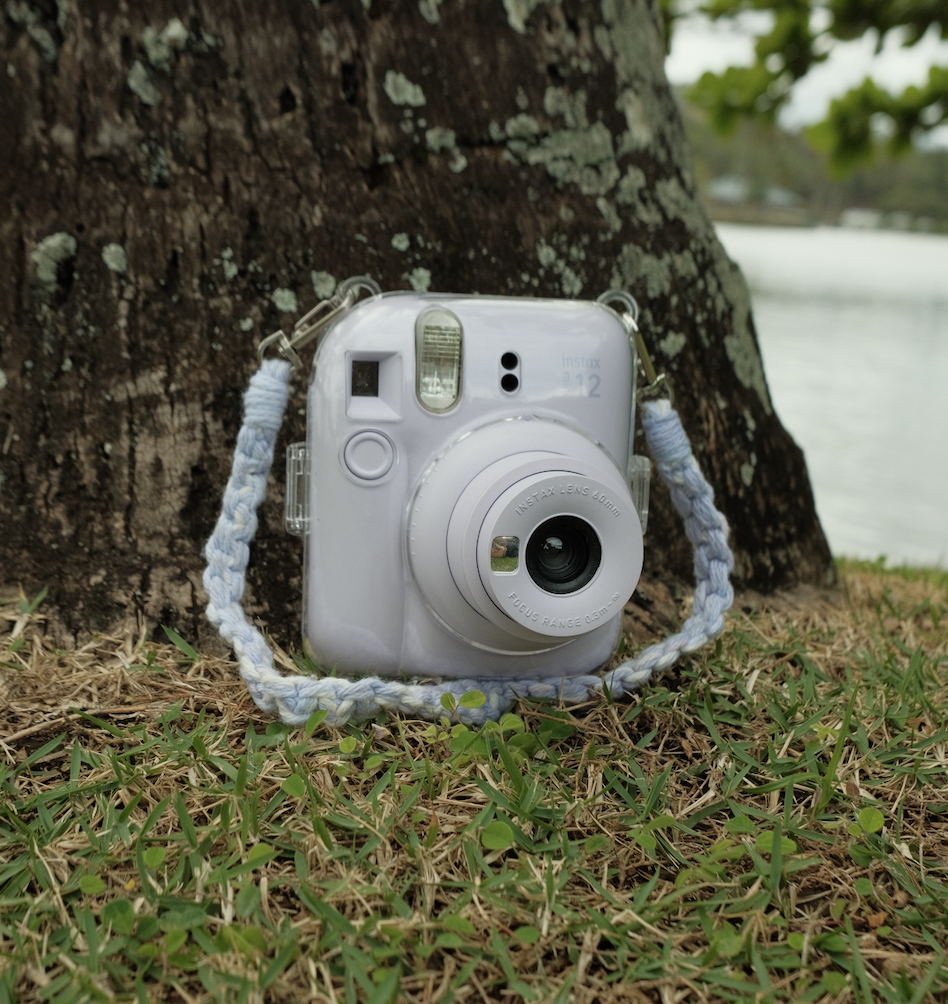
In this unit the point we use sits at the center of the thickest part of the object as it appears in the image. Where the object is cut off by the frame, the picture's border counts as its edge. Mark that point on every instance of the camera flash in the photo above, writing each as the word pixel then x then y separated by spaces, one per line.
pixel 438 337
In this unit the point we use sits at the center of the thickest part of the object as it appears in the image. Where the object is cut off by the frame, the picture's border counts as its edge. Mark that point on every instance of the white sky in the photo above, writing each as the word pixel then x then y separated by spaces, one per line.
pixel 699 44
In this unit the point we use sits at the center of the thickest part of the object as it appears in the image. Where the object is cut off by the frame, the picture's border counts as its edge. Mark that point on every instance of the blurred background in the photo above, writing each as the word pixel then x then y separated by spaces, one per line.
pixel 845 249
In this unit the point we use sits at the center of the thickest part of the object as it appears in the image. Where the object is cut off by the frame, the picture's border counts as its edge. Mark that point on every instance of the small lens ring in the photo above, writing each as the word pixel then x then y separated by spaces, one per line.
pixel 563 554
pixel 578 585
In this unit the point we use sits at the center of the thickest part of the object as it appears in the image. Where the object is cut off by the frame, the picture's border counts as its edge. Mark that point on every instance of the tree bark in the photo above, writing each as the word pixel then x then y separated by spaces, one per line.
pixel 179 178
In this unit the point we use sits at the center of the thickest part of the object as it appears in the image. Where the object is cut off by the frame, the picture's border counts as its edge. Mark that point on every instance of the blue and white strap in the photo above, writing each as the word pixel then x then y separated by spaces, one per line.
pixel 295 698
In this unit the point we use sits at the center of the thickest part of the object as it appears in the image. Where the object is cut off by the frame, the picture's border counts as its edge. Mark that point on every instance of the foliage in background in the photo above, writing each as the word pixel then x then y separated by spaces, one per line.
pixel 801 35
pixel 762 154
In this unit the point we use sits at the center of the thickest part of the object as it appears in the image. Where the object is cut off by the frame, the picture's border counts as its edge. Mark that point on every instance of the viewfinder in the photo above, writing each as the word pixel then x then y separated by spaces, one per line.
pixel 365 378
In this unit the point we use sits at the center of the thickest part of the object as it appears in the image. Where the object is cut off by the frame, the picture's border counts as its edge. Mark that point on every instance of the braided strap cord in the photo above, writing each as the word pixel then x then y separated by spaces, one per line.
pixel 295 698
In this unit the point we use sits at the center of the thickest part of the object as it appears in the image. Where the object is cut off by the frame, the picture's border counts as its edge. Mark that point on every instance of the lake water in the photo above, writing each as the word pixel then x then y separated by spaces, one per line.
pixel 853 327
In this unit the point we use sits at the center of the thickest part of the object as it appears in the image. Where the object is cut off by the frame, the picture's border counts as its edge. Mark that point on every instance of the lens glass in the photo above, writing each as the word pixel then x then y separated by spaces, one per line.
pixel 563 554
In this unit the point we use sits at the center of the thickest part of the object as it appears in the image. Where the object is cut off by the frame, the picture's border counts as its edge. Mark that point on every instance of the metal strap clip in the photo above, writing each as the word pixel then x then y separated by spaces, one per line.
pixel 656 384
pixel 318 320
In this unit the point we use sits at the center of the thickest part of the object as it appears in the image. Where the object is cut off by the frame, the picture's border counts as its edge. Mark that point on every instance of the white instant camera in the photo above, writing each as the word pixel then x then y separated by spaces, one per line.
pixel 468 495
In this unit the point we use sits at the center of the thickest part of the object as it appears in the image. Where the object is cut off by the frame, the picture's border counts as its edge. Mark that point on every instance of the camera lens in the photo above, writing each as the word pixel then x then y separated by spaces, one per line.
pixel 563 554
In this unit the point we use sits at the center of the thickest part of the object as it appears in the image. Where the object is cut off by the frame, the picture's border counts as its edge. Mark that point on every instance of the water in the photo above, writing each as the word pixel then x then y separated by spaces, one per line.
pixel 853 328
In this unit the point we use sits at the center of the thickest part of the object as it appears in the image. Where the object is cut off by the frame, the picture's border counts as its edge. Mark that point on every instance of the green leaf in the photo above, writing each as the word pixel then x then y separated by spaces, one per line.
pixel 740 824
pixel 455 923
pixel 120 914
pixel 92 885
pixel 258 851
pixel 30 606
pixel 448 702
pixel 871 819
pixel 174 940
pixel 180 644
pixel 154 857
pixel 497 836
pixel 528 934
pixel 511 723
pixel 833 982
pixel 314 720
pixel 644 839
pixel 348 744
pixel 727 941
pixel 765 843
pixel 863 886
pixel 294 785
pixel 472 699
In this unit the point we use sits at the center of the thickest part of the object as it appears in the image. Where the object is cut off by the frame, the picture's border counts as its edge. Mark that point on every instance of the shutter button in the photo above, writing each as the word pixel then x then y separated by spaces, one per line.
pixel 369 455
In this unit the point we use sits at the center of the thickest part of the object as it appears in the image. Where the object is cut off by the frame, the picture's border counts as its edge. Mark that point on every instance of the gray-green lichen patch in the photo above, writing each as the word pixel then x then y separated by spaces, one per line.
pixel 25 16
pixel 635 267
pixel 246 324
pixel 227 264
pixel 733 297
pixel 584 157
pixel 521 126
pixel 324 284
pixel 115 258
pixel 633 190
pixel 518 11
pixel 420 279
pixel 429 10
pixel 401 91
pixel 160 44
pixel 608 210
pixel 572 107
pixel 140 83
pixel 570 282
pixel 679 205
pixel 439 138
pixel 401 242
pixel 751 424
pixel 634 43
pixel 285 300
pixel 631 183
pixel 672 344
pixel 3 380
pixel 52 252
pixel 639 133
pixel 747 470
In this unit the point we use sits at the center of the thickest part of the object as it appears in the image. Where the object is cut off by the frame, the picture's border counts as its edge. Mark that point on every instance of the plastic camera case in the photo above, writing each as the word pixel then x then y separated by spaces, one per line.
pixel 467 493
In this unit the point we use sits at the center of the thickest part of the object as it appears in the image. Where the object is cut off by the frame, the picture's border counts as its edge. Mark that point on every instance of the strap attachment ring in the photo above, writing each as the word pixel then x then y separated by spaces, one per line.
pixel 312 324
pixel 657 385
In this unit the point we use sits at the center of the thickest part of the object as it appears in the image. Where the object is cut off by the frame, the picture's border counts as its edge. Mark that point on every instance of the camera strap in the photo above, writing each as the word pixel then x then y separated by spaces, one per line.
pixel 294 698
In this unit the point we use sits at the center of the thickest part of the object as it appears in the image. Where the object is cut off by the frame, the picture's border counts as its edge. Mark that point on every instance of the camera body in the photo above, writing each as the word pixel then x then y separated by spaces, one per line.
pixel 468 495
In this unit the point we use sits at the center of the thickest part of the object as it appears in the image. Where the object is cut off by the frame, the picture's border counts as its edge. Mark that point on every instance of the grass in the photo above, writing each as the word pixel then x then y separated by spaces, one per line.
pixel 768 822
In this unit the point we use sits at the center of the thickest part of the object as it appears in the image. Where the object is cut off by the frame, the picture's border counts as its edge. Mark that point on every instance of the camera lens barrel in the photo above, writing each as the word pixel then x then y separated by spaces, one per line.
pixel 542 545
pixel 563 554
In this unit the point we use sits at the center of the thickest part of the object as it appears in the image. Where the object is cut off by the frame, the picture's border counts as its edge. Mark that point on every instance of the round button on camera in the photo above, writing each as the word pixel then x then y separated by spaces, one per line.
pixel 369 455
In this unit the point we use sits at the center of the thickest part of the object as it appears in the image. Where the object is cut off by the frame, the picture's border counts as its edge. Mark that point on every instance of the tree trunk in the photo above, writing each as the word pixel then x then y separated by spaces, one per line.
pixel 179 179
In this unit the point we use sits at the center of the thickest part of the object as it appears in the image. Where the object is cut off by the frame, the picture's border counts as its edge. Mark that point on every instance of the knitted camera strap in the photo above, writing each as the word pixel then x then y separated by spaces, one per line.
pixel 296 697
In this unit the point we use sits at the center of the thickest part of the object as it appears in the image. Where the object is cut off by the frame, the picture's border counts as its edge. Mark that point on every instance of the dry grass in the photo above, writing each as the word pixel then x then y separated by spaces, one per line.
pixel 768 822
